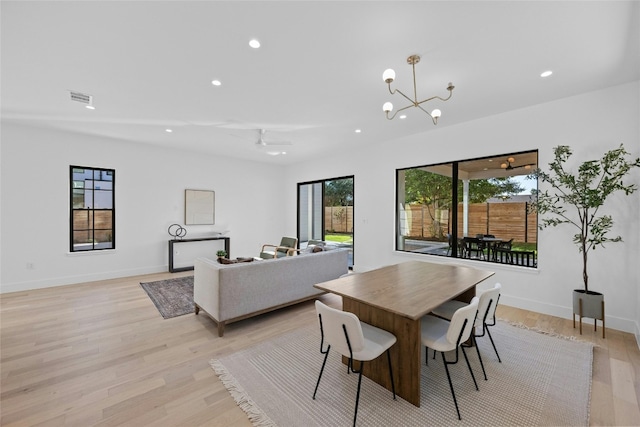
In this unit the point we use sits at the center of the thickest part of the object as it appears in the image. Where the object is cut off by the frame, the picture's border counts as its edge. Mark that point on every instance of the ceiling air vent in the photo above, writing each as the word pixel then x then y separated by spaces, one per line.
pixel 80 97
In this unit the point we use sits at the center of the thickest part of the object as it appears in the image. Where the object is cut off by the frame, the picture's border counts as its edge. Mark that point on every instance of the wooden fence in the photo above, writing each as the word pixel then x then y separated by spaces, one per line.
pixel 503 220
pixel 338 219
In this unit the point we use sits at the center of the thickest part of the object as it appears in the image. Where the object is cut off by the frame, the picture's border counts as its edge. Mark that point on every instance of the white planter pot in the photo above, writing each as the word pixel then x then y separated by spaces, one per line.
pixel 588 304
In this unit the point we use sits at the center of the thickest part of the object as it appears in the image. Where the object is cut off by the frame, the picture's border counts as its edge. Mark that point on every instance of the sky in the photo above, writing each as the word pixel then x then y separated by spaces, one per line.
pixel 527 184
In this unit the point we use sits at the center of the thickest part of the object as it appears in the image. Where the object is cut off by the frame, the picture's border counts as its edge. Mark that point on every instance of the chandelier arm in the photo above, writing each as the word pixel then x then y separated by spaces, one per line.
pixel 394 91
pixel 420 107
pixel 397 111
pixel 436 97
pixel 433 119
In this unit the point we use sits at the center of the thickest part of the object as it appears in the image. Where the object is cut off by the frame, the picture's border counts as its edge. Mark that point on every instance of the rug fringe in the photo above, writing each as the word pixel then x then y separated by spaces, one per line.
pixel 257 417
pixel 545 332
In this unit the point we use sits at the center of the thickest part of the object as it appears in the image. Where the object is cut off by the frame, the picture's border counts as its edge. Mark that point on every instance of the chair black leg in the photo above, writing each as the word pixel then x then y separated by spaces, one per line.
pixel 480 358
pixel 321 371
pixel 493 344
pixel 393 386
pixel 355 414
pixel 464 353
pixel 453 393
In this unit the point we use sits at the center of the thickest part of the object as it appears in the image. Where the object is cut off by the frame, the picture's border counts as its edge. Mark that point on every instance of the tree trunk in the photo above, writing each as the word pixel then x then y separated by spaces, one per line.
pixel 585 276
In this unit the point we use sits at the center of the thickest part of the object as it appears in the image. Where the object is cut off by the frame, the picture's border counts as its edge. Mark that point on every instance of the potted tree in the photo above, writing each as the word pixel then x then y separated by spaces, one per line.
pixel 575 199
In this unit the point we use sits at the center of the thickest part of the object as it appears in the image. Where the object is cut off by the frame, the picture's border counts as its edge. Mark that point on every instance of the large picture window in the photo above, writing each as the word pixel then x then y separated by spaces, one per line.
pixel 476 209
pixel 92 195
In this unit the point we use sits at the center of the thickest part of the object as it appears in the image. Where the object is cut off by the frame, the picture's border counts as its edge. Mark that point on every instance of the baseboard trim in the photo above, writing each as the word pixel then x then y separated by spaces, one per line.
pixel 566 312
pixel 72 280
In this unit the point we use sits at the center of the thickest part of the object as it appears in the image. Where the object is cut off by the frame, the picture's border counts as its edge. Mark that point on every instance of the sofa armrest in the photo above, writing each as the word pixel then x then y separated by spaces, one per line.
pixel 206 286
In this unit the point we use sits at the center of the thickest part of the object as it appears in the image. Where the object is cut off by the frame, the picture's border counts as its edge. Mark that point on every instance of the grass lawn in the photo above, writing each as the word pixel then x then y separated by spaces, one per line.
pixel 527 247
pixel 340 238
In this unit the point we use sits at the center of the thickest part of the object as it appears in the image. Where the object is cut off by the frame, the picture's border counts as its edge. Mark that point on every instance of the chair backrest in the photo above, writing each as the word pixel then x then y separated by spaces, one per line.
pixel 331 324
pixel 457 324
pixel 488 304
pixel 288 242
pixel 505 245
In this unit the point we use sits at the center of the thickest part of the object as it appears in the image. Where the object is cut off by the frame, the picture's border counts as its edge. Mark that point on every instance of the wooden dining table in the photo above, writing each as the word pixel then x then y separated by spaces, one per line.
pixel 395 298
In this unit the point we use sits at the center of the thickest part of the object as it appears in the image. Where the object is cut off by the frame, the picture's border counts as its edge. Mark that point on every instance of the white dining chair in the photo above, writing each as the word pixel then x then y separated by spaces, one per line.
pixel 486 316
pixel 354 339
pixel 443 336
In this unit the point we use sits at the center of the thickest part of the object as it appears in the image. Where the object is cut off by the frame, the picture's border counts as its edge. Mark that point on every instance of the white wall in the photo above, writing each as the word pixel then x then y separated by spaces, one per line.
pixel 150 195
pixel 150 184
pixel 590 123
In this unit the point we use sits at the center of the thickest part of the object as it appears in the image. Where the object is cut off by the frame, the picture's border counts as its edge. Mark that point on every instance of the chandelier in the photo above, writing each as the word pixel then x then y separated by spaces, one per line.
pixel 389 76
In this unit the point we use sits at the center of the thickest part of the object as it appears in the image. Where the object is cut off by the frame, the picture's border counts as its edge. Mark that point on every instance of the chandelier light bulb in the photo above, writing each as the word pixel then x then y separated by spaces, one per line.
pixel 387 107
pixel 389 75
pixel 436 113
pixel 503 165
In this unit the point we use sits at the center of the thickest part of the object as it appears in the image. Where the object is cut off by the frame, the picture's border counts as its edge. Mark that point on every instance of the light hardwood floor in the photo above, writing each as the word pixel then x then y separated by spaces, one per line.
pixel 100 354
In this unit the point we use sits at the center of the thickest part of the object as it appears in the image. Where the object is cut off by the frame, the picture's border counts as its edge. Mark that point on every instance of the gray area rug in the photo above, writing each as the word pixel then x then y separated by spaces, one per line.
pixel 542 381
pixel 172 297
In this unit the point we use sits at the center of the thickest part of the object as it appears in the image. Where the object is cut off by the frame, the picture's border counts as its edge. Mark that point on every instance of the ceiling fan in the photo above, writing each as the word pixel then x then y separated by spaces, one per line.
pixel 508 164
pixel 262 143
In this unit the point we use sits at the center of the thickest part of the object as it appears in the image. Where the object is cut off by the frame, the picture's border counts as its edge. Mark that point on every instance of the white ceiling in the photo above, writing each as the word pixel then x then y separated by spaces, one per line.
pixel 316 78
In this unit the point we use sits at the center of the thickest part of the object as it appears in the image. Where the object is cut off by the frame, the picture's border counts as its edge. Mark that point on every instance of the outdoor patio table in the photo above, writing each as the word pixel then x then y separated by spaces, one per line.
pixel 492 242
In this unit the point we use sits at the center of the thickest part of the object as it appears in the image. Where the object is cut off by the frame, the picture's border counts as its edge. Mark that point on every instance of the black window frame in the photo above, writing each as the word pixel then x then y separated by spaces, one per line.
pixel 91 228
pixel 453 213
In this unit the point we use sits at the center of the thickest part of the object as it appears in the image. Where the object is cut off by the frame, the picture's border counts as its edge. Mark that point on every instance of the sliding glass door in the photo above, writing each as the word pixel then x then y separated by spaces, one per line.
pixel 325 212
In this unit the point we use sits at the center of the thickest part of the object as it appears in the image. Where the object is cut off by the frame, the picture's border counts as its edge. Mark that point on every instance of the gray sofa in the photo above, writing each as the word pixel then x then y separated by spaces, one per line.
pixel 228 293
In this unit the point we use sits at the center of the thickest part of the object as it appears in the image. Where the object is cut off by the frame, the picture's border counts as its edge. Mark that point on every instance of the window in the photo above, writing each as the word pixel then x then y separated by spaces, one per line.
pixel 476 209
pixel 325 212
pixel 92 209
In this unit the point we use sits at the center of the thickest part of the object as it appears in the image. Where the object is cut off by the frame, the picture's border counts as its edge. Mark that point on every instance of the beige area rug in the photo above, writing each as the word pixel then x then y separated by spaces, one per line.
pixel 172 297
pixel 542 381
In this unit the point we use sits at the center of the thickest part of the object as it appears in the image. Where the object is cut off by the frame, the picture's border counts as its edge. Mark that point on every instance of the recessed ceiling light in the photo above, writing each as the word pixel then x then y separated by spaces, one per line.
pixel 254 43
pixel 216 82
pixel 404 116
pixel 358 130
pixel 168 130
pixel 546 73
pixel 90 107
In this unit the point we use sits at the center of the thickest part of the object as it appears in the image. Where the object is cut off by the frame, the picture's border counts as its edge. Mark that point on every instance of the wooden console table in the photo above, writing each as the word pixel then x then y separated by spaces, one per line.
pixel 172 242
